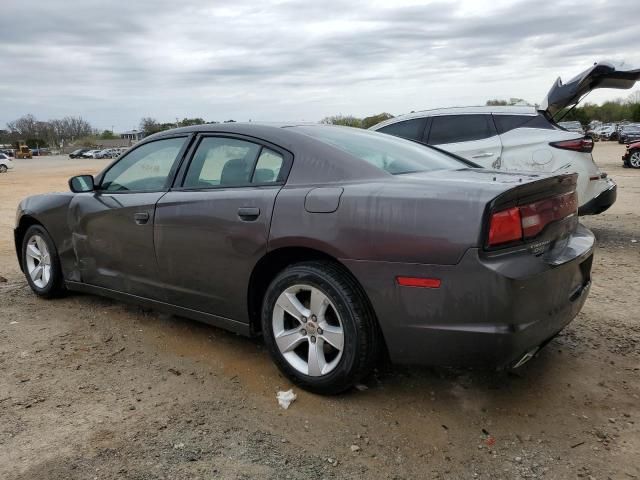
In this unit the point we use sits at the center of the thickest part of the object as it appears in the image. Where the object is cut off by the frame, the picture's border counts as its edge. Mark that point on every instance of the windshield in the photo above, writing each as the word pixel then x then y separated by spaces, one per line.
pixel 391 154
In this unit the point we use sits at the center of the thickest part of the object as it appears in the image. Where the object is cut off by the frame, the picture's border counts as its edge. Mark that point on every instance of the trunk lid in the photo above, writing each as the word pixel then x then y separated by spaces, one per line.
pixel 600 75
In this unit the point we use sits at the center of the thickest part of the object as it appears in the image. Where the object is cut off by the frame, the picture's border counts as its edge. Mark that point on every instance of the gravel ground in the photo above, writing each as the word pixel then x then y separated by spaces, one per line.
pixel 92 388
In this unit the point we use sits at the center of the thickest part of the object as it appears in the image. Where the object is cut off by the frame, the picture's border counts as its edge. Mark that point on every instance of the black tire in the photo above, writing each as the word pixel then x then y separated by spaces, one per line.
pixel 3 168
pixel 55 287
pixel 362 338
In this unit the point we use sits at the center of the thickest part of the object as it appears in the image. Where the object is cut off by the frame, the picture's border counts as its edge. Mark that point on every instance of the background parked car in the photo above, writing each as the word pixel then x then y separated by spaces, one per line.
pixel 5 163
pixel 575 127
pixel 629 133
pixel 120 151
pixel 105 153
pixel 90 153
pixel 607 132
pixel 631 157
pixel 78 153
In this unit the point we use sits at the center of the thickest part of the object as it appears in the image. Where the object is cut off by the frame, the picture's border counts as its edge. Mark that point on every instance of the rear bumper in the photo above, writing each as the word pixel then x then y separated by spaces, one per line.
pixel 600 202
pixel 487 312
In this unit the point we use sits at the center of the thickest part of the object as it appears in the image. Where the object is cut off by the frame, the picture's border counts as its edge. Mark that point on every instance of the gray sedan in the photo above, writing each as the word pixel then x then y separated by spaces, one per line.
pixel 337 245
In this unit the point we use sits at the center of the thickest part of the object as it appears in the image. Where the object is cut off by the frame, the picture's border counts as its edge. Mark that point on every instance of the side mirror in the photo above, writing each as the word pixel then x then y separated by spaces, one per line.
pixel 81 183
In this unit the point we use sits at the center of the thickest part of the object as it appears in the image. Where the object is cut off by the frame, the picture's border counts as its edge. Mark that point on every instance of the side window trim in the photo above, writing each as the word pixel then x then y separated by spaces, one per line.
pixel 287 162
pixel 427 130
pixel 172 172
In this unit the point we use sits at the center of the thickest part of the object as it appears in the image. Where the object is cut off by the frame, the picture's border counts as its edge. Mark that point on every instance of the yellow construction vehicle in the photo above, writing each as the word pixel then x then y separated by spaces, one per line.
pixel 22 151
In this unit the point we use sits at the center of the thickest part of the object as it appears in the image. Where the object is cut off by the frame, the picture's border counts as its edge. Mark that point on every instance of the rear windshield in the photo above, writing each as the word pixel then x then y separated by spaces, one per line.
pixel 391 154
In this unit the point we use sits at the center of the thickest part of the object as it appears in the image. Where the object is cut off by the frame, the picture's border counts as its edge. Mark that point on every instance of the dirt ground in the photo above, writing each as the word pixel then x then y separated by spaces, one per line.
pixel 92 388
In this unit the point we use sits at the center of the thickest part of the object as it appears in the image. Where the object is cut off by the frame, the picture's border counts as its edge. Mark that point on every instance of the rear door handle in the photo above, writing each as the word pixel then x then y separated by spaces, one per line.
pixel 141 218
pixel 482 155
pixel 248 214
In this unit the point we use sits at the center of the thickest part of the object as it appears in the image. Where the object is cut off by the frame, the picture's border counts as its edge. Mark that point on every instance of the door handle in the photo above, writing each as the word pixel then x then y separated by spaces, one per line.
pixel 141 218
pixel 248 214
pixel 482 155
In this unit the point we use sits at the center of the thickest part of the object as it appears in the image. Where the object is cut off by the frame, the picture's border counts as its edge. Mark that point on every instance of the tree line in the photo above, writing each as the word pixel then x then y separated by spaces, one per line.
pixel 619 110
pixel 609 112
pixel 150 125
pixel 58 132
pixel 612 111
pixel 351 121
pixel 35 133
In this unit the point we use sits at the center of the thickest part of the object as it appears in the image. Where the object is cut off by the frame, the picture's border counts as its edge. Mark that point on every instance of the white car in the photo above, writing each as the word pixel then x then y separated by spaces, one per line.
pixel 573 126
pixel 89 154
pixel 606 132
pixel 523 138
pixel 106 153
pixel 5 163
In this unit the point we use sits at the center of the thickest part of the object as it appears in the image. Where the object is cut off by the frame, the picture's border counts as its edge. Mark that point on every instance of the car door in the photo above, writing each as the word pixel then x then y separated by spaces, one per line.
pixel 112 227
pixel 472 136
pixel 213 226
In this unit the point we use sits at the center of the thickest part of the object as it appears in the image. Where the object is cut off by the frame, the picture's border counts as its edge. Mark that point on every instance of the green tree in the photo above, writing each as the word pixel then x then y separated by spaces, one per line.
pixel 502 103
pixel 375 119
pixel 188 122
pixel 635 112
pixel 107 135
pixel 345 120
pixel 36 143
pixel 150 126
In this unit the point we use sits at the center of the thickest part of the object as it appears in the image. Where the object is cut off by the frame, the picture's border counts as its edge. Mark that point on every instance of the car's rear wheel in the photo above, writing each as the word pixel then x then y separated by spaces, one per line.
pixel 319 327
pixel 3 168
pixel 634 159
pixel 41 264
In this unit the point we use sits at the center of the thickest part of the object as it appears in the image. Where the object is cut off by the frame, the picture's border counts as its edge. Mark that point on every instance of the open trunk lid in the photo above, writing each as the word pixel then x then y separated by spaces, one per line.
pixel 600 75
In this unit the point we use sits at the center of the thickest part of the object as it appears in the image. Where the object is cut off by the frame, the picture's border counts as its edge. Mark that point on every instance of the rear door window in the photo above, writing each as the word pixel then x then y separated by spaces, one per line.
pixel 268 167
pixel 222 162
pixel 460 128
pixel 412 129
pixel 506 123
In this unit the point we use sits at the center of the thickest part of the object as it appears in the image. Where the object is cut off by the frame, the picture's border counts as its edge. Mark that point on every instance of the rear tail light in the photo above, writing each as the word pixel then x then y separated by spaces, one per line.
pixel 526 221
pixel 506 227
pixel 584 144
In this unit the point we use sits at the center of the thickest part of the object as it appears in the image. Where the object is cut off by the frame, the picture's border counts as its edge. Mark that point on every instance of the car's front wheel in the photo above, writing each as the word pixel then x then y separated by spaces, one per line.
pixel 41 264
pixel 3 168
pixel 319 327
pixel 634 159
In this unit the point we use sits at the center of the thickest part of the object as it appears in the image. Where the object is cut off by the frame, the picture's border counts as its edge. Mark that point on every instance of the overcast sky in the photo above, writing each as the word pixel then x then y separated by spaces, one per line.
pixel 113 62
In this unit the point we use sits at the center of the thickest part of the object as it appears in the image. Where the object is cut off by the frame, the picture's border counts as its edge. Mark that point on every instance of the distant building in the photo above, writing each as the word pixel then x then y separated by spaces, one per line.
pixel 132 135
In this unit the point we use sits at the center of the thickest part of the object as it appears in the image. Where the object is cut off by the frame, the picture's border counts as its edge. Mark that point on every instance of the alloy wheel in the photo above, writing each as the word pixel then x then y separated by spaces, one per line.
pixel 3 168
pixel 634 160
pixel 38 261
pixel 308 330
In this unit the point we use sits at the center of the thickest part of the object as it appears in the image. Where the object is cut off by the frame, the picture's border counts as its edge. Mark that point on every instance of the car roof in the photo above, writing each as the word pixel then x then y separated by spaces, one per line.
pixel 274 132
pixel 504 110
